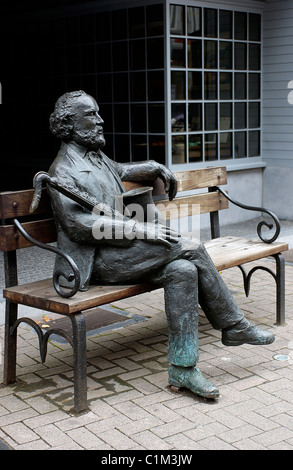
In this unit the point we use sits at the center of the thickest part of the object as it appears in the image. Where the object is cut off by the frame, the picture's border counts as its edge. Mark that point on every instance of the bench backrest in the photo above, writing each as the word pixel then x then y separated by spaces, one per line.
pixel 41 226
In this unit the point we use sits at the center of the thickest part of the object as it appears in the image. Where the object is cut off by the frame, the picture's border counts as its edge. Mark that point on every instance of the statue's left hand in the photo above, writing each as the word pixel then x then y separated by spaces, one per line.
pixel 169 180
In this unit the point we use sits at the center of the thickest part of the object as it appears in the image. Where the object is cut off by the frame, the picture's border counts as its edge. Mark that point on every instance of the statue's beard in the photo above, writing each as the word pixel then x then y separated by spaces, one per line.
pixel 93 139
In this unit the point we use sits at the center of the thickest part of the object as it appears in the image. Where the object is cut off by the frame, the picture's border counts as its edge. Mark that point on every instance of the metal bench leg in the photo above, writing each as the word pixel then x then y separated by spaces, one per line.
pixel 10 343
pixel 279 277
pixel 280 288
pixel 79 359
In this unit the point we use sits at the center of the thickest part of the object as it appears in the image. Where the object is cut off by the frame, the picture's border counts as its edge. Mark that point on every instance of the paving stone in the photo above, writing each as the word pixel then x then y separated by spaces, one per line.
pixel 131 405
pixel 20 433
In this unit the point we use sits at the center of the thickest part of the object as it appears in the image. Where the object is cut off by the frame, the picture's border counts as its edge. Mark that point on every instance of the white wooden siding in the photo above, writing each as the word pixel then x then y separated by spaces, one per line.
pixel 277 117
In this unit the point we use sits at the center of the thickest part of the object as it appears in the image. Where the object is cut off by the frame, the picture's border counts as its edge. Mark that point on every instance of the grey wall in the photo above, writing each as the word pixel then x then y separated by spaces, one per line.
pixel 277 112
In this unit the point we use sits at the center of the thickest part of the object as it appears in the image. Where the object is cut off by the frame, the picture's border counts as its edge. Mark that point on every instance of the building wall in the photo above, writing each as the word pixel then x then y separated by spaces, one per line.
pixel 277 111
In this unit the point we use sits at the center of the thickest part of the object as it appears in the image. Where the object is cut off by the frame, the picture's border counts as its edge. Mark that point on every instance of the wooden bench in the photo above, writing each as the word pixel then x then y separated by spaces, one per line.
pixel 17 223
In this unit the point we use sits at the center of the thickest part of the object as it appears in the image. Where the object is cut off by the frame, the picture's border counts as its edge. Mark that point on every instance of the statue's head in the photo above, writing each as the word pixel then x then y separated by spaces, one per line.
pixel 76 118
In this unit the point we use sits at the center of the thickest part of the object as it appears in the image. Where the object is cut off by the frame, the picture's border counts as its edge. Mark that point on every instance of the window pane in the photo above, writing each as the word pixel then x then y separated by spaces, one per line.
pixel 120 86
pixel 254 115
pixel 177 52
pixel 156 90
pixel 225 116
pixel 155 20
pixel 120 52
pixel 194 54
pixel 103 53
pixel 240 144
pixel 225 24
pixel 240 60
pixel 193 21
pixel 210 55
pixel 225 55
pixel 210 23
pixel 225 86
pixel 194 85
pixel 210 86
pixel 225 145
pixel 211 147
pixel 254 143
pixel 104 88
pixel 195 117
pixel 137 86
pixel 121 118
pixel 139 147
pixel 155 53
pixel 211 116
pixel 195 148
pixel 138 118
pixel 177 85
pixel 156 118
pixel 179 149
pixel 240 25
pixel 254 57
pixel 254 27
pixel 119 24
pixel 136 22
pixel 178 118
pixel 177 25
pixel 240 115
pixel 240 86
pixel 122 148
pixel 157 148
pixel 254 86
pixel 137 54
pixel 103 26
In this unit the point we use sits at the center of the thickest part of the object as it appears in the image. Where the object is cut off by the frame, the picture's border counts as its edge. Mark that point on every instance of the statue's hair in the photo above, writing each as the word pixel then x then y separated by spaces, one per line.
pixel 59 120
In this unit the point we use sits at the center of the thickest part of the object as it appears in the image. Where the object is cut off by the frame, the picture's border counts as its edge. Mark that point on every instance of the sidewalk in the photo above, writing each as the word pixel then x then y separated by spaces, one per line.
pixel 131 405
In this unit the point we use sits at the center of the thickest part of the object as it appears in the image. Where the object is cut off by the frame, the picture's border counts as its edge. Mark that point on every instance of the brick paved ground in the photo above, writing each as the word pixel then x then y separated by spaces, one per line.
pixel 131 405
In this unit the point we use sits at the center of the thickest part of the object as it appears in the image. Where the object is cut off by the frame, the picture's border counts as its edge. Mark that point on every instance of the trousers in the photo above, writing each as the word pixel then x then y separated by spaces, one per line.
pixel 189 278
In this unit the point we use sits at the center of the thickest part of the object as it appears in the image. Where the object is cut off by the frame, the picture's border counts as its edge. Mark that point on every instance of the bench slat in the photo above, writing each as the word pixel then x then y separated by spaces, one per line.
pixel 227 252
pixel 192 205
pixel 201 178
pixel 41 294
pixel 42 230
pixel 17 203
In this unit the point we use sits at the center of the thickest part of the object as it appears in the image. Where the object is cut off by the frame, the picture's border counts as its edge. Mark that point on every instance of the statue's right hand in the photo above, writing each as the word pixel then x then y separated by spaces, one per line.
pixel 156 233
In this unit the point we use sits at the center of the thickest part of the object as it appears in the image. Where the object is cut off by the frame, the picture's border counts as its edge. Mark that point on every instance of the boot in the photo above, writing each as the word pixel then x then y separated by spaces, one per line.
pixel 192 379
pixel 243 332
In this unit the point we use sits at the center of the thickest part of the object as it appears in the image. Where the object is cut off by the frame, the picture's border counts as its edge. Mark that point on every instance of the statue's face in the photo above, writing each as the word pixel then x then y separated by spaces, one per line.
pixel 87 123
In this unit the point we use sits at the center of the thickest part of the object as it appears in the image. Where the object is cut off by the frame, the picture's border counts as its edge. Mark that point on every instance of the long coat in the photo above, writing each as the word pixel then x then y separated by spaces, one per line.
pixel 97 178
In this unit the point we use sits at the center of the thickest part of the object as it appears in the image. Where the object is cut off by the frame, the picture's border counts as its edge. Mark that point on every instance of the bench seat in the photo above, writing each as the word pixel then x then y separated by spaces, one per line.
pixel 226 252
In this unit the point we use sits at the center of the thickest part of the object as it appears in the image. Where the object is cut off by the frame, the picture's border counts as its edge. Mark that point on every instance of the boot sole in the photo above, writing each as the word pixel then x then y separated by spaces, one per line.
pixel 178 386
pixel 253 343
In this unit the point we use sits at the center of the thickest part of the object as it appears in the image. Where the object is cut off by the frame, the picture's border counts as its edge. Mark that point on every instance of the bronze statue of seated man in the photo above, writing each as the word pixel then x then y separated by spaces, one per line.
pixel 153 253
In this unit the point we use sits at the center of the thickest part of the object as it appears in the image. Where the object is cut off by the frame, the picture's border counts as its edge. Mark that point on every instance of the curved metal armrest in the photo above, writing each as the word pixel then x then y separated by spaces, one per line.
pixel 262 223
pixel 70 276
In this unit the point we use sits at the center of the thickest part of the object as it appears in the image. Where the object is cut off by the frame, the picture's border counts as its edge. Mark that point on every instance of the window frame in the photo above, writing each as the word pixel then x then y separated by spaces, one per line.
pixel 236 163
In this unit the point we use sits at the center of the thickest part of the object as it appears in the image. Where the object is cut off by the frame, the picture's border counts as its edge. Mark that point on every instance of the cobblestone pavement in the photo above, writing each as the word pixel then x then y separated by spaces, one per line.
pixel 131 404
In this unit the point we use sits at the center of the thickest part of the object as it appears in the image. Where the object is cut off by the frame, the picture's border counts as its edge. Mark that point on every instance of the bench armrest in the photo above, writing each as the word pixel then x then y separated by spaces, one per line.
pixel 69 275
pixel 276 221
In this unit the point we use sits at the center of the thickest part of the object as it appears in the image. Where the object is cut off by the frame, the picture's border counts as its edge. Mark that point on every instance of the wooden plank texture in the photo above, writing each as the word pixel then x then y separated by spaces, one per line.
pixel 17 203
pixel 187 180
pixel 191 205
pixel 42 230
pixel 42 295
pixel 201 178
pixel 226 252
